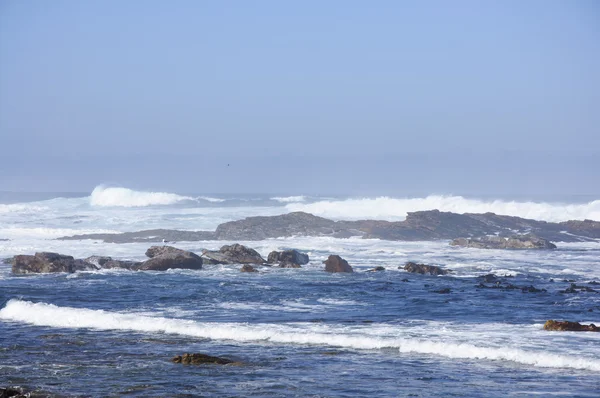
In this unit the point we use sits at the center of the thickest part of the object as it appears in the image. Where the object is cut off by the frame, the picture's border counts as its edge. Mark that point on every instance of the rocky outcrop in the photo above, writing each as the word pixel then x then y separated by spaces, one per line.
pixel 233 254
pixel 248 268
pixel 570 326
pixel 498 242
pixel 163 258
pixel 46 262
pixel 150 235
pixel 288 258
pixel 424 269
pixel 419 225
pixel 335 263
pixel 376 269
pixel 200 359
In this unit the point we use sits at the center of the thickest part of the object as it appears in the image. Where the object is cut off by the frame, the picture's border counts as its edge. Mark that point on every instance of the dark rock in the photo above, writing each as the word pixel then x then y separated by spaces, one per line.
pixel 376 269
pixel 424 269
pixel 574 288
pixel 335 263
pixel 405 280
pixel 233 254
pixel 199 359
pixel 498 242
pixel 445 290
pixel 570 326
pixel 98 261
pixel 532 289
pixel 45 262
pixel 489 278
pixel 288 258
pixel 13 392
pixel 248 268
pixel 168 257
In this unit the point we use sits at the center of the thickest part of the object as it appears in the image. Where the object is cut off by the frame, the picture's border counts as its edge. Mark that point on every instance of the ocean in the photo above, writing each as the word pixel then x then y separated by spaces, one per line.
pixel 295 332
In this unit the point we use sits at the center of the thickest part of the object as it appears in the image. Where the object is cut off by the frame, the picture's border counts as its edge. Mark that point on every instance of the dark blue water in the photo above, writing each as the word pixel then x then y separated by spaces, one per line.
pixel 296 333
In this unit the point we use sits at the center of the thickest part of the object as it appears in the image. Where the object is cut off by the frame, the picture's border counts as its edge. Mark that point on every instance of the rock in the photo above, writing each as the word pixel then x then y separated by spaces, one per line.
pixel 8 260
pixel 445 290
pixel 46 262
pixel 335 263
pixel 123 264
pixel 98 261
pixel 570 326
pixel 199 359
pixel 248 268
pixel 151 235
pixel 163 258
pixel 532 289
pixel 498 242
pixel 489 278
pixel 13 392
pixel 376 269
pixel 288 258
pixel 233 254
pixel 574 288
pixel 424 269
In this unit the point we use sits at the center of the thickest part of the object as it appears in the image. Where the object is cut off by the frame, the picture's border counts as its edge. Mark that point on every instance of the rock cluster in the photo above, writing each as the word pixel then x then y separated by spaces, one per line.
pixel 498 242
pixel 288 258
pixel 233 254
pixel 423 269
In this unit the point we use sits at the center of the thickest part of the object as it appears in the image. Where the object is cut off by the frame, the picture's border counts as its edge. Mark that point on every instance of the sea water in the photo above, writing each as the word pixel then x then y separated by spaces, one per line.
pixel 296 332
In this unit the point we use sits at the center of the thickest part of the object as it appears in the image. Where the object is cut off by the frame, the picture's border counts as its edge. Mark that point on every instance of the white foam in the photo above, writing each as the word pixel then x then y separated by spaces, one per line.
pixel 21 208
pixel 43 314
pixel 289 199
pixel 103 196
pixel 386 208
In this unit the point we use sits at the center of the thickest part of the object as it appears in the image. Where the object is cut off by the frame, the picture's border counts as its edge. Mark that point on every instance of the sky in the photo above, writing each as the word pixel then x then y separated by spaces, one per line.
pixel 306 97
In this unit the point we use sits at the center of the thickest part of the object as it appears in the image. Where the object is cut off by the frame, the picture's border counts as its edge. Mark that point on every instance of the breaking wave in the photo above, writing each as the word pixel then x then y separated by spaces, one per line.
pixel 103 196
pixel 289 199
pixel 386 208
pixel 43 314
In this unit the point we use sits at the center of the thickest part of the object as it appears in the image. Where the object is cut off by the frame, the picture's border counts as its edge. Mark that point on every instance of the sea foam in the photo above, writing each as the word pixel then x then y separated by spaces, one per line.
pixel 386 208
pixel 43 314
pixel 103 196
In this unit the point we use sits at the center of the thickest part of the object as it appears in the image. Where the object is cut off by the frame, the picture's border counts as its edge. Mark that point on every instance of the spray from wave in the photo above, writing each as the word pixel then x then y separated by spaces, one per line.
pixel 386 208
pixel 103 196
pixel 289 199
pixel 43 314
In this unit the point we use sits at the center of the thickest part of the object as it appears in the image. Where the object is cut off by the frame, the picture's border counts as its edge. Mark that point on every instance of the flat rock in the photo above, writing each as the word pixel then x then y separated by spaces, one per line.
pixel 424 269
pixel 498 242
pixel 335 263
pixel 199 359
pixel 233 254
pixel 46 262
pixel 570 326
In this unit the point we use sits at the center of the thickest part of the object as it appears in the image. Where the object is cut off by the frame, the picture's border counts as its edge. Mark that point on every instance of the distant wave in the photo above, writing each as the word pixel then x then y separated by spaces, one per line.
pixel 103 196
pixel 289 199
pixel 43 314
pixel 209 199
pixel 386 208
pixel 21 208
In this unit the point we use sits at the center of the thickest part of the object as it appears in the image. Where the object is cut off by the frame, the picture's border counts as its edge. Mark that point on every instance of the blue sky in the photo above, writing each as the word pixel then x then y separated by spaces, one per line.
pixel 386 97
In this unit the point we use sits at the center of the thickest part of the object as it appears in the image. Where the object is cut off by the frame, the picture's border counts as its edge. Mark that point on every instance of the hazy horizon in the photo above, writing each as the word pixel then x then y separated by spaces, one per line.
pixel 349 98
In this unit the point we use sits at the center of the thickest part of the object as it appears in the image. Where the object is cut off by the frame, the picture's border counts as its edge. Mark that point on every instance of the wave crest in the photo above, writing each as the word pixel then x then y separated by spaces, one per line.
pixel 43 314
pixel 386 208
pixel 103 196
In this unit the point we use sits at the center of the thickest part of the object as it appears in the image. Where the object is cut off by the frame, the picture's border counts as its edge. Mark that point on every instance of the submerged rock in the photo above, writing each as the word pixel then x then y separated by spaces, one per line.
pixel 199 359
pixel 46 262
pixel 163 258
pixel 288 258
pixel 233 254
pixel 248 268
pixel 570 326
pixel 376 269
pixel 498 242
pixel 335 263
pixel 424 269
